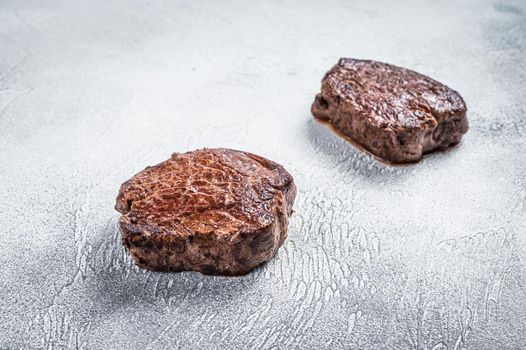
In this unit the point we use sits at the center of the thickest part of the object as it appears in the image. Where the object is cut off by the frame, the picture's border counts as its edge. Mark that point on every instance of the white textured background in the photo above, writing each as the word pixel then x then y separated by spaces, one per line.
pixel 431 256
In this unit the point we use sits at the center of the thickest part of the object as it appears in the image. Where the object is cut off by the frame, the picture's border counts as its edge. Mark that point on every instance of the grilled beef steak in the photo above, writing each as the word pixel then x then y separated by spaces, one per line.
pixel 216 211
pixel 395 113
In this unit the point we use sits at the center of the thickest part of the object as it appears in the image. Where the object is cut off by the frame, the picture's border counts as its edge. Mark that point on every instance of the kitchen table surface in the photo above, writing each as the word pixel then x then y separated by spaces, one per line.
pixel 426 256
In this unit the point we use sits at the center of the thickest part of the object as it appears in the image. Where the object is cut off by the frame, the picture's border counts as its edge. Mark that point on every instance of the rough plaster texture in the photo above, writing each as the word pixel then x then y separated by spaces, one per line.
pixel 430 256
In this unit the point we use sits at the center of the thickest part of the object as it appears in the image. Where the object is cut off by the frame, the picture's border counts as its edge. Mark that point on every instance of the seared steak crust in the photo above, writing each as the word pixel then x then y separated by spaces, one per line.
pixel 216 211
pixel 395 113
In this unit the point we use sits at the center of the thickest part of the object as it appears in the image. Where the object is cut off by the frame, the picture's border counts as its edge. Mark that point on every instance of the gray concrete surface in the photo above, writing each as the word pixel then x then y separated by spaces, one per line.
pixel 431 256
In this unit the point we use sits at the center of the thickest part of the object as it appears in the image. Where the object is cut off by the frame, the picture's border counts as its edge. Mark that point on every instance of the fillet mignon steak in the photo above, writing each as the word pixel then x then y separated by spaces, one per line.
pixel 216 211
pixel 395 113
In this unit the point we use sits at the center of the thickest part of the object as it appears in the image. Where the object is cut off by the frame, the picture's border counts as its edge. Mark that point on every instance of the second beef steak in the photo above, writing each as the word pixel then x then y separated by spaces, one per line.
pixel 395 113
